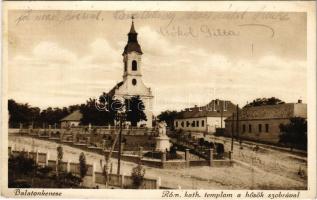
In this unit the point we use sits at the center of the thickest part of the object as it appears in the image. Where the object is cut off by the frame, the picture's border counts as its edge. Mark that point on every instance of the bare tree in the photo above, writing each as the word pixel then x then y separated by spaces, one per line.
pixel 106 167
pixel 82 165
pixel 59 159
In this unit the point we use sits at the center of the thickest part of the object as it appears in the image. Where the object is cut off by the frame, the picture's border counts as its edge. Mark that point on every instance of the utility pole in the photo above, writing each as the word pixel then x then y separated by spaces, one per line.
pixel 221 114
pixel 232 129
pixel 121 118
pixel 237 126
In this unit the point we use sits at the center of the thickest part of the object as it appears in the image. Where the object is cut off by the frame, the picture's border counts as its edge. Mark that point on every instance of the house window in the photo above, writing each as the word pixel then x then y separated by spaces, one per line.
pixel 267 128
pixel 250 128
pixel 225 106
pixel 243 128
pixel 187 123
pixel 197 123
pixel 182 124
pixel 176 123
pixel 193 123
pixel 260 128
pixel 202 123
pixel 134 65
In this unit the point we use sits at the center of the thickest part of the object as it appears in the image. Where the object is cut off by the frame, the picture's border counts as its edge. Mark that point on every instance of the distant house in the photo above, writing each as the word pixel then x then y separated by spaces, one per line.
pixel 206 118
pixel 71 120
pixel 262 123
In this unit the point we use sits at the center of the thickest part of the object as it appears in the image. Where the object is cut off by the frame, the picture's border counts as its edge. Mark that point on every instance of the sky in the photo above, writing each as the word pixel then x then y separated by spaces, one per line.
pixel 60 58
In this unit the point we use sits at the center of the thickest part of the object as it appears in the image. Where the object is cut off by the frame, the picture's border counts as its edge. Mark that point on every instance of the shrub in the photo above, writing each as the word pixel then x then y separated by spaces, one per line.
pixel 82 165
pixel 137 175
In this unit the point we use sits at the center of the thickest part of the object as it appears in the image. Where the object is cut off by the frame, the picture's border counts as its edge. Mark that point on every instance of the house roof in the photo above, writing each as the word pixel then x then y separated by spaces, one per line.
pixel 74 116
pixel 280 111
pixel 212 109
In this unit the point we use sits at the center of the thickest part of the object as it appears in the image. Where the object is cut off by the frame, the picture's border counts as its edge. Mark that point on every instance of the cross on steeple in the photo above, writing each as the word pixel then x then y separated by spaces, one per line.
pixel 133 44
pixel 132 30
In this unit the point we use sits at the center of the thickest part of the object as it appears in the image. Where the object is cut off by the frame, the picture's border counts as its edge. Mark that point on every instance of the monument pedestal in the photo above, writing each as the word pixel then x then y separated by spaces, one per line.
pixel 162 143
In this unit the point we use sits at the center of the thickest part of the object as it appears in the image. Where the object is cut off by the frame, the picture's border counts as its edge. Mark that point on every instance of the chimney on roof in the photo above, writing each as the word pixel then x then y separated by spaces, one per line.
pixel 299 101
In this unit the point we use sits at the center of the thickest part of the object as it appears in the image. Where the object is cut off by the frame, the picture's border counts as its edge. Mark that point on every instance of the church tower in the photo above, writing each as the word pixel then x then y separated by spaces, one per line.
pixel 132 56
pixel 132 84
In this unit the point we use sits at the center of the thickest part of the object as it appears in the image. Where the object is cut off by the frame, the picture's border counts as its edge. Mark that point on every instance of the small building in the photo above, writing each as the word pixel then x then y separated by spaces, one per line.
pixel 71 120
pixel 262 123
pixel 206 118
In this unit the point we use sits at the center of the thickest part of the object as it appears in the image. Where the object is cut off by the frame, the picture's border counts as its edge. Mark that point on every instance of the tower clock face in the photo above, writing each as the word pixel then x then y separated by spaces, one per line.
pixel 133 81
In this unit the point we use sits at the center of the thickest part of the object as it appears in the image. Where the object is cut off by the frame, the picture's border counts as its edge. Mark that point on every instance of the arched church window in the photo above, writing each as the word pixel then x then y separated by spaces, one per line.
pixel 125 65
pixel 134 65
pixel 133 81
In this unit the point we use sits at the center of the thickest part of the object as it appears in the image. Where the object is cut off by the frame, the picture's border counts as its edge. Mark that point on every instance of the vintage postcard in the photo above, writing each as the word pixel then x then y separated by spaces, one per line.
pixel 159 100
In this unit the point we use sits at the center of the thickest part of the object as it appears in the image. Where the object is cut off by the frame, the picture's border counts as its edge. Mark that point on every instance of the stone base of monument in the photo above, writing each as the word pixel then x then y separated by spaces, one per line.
pixel 162 143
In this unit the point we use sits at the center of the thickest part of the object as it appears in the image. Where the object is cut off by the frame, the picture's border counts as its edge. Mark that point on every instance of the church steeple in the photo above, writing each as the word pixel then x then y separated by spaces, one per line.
pixel 132 30
pixel 133 44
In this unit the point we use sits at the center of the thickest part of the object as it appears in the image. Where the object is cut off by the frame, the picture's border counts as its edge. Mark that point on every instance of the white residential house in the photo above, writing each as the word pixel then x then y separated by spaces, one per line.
pixel 206 118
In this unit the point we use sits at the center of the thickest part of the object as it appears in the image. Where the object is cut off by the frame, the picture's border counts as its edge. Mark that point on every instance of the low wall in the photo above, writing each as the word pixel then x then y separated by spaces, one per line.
pixel 169 164
pixel 174 164
pixel 198 163
pixel 152 163
pixel 222 163
pixel 123 181
pixel 51 164
pixel 92 177
pixel 75 169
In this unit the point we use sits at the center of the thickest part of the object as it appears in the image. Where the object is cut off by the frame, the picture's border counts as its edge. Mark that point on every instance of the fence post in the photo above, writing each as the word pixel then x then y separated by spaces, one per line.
pixel 47 157
pixel 37 157
pixel 74 137
pixel 158 183
pixel 122 181
pixel 187 157
pixel 163 160
pixel 140 153
pixel 93 172
pixel 60 135
pixel 49 131
pixel 89 127
pixel 230 155
pixel 56 166
pixel 211 152
pixel 20 128
pixel 9 151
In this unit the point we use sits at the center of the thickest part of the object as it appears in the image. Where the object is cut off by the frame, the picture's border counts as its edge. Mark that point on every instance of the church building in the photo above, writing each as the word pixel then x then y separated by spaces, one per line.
pixel 132 84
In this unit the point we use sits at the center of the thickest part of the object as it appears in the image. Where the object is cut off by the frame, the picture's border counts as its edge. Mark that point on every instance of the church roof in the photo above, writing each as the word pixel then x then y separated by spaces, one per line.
pixel 132 29
pixel 112 91
pixel 132 44
pixel 132 47
pixel 74 116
